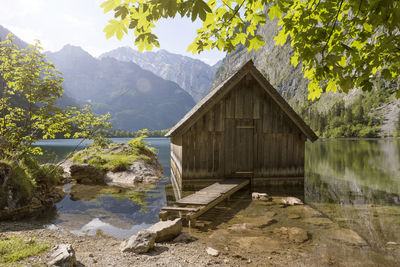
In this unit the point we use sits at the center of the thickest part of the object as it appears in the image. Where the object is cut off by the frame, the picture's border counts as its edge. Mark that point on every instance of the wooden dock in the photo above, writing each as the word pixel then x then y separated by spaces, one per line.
pixel 194 205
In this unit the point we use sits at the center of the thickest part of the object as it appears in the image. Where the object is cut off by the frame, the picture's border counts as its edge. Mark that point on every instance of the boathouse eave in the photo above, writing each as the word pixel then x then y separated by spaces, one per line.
pixel 220 91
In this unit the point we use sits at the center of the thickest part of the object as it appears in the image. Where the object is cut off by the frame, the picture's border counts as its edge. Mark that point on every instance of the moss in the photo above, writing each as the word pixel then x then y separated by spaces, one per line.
pixel 20 181
pixel 113 159
pixel 14 249
pixel 23 177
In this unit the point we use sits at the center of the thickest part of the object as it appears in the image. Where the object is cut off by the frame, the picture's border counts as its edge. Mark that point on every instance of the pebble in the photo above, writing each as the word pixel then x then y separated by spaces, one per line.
pixel 213 252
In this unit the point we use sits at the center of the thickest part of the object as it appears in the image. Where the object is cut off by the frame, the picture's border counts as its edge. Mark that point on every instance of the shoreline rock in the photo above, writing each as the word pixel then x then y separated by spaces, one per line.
pixel 142 242
pixel 139 172
pixel 63 255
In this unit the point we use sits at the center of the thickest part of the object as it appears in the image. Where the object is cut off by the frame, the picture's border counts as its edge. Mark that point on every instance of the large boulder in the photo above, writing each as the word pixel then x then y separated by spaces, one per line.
pixel 63 256
pixel 140 243
pixel 138 172
pixel 86 174
pixel 167 230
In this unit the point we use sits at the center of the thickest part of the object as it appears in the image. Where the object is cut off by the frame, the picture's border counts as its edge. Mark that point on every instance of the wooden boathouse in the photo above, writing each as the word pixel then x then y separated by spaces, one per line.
pixel 241 129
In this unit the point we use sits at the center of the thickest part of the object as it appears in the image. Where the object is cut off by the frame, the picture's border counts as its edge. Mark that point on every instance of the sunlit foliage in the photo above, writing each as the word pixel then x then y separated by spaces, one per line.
pixel 340 44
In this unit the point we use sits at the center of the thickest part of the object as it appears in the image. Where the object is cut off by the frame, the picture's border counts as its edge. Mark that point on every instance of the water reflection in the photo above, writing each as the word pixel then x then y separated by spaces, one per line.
pixel 120 212
pixel 357 184
pixel 354 182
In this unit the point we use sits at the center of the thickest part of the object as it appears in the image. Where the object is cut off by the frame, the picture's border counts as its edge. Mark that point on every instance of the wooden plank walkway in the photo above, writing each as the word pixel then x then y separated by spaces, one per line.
pixel 194 205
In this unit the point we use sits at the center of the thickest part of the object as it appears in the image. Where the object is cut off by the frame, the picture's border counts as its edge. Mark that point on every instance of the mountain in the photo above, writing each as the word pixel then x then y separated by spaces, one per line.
pixel 135 98
pixel 3 34
pixel 193 75
pixel 62 102
pixel 356 114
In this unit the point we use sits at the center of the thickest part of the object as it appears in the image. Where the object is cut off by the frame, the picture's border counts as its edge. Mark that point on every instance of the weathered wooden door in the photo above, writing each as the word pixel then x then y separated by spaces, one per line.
pixel 239 148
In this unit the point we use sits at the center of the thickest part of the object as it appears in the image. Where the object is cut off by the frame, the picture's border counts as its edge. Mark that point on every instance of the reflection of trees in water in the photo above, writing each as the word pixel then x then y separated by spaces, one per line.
pixel 357 184
pixel 374 163
pixel 326 189
pixel 374 214
pixel 54 154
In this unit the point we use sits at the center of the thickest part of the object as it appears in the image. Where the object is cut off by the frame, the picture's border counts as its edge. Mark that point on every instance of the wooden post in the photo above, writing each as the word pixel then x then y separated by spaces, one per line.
pixel 163 215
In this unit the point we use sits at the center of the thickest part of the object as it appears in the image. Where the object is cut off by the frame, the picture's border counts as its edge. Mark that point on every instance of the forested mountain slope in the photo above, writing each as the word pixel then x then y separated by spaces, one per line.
pixel 356 114
pixel 135 98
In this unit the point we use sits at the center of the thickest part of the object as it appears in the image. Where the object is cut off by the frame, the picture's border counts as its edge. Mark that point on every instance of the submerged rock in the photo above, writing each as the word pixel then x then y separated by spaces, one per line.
pixel 212 252
pixel 86 174
pixel 291 201
pixel 347 236
pixel 183 238
pixel 166 230
pixel 260 196
pixel 140 243
pixel 294 234
pixel 63 255
pixel 318 221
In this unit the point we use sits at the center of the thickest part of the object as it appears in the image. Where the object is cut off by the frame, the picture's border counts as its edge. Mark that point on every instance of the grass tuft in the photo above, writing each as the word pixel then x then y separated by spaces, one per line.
pixel 14 249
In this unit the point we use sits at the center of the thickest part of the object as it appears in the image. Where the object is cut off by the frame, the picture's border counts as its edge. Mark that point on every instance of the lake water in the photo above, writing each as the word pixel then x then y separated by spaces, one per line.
pixel 354 182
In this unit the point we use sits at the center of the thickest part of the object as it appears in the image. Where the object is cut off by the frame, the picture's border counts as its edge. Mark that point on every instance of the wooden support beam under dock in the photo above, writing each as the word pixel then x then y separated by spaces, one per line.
pixel 196 204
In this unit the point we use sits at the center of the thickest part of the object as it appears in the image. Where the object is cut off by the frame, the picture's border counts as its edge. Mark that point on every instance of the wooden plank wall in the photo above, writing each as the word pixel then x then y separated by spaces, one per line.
pixel 176 159
pixel 278 144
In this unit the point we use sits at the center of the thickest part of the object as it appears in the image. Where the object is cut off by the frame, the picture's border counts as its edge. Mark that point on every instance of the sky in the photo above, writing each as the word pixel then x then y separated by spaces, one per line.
pixel 81 22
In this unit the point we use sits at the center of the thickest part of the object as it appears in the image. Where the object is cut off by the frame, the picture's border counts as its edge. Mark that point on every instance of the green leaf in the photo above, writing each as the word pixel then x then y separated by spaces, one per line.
pixel 121 11
pixel 274 12
pixel 331 87
pixel 255 42
pixel 281 38
pixel 366 85
pixel 110 5
pixel 115 27
pixel 342 62
pixel 387 74
pixel 294 60
pixel 314 90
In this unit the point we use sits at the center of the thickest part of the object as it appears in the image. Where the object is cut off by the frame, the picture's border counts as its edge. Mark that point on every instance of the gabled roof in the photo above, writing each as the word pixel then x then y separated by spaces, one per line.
pixel 221 90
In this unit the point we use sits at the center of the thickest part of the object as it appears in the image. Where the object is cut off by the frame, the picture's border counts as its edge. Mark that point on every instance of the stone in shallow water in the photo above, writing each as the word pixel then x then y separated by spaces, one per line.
pixel 294 216
pixel 183 237
pixel 63 255
pixel 166 230
pixel 260 196
pixel 294 234
pixel 297 235
pixel 347 236
pixel 212 252
pixel 291 201
pixel 318 221
pixel 140 243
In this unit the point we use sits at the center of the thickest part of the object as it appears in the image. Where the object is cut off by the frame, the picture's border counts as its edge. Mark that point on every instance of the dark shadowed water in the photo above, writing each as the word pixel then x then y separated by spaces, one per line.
pixel 354 182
